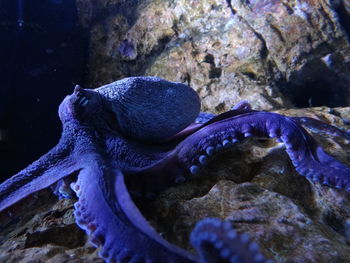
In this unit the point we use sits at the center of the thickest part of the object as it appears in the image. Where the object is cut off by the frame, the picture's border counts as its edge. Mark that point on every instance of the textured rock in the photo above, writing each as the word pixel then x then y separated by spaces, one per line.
pixel 254 186
pixel 227 52
pixel 42 229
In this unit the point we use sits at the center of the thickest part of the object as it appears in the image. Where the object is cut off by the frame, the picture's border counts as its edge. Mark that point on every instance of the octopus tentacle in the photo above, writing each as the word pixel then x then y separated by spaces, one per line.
pixel 307 156
pixel 44 172
pixel 150 180
pixel 192 128
pixel 204 119
pixel 217 242
pixel 242 105
pixel 318 125
pixel 107 213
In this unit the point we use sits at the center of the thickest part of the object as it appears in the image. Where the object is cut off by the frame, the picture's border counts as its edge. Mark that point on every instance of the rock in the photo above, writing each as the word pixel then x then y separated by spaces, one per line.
pixel 274 53
pixel 43 229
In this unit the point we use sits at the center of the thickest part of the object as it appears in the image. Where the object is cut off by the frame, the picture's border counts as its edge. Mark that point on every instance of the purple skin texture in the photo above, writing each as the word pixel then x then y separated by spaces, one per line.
pixel 103 154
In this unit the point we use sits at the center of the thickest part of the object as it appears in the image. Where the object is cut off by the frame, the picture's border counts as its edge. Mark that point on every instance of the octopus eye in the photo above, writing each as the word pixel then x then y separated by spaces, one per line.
pixel 83 101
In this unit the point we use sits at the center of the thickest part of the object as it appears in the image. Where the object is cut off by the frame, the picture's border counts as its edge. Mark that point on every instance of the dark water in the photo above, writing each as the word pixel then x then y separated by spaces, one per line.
pixel 42 56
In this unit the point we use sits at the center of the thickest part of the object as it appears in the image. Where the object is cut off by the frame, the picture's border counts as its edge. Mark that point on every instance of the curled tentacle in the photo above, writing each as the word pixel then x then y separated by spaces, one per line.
pixel 243 105
pixel 217 242
pixel 227 129
pixel 107 213
pixel 307 156
pixel 205 119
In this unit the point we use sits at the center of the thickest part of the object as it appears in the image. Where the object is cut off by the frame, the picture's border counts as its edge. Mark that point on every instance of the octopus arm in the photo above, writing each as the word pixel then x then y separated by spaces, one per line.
pixel 204 119
pixel 307 156
pixel 226 130
pixel 108 215
pixel 216 241
pixel 320 126
pixel 44 172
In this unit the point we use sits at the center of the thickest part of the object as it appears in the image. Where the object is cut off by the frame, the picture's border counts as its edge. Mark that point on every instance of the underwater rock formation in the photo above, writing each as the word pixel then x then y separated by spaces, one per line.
pixel 272 53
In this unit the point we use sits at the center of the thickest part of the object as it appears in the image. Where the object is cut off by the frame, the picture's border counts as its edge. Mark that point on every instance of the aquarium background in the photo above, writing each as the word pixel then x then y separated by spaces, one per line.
pixel 43 54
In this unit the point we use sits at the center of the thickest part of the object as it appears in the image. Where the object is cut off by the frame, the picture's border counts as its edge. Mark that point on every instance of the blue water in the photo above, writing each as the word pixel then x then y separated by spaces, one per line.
pixel 42 57
pixel 20 8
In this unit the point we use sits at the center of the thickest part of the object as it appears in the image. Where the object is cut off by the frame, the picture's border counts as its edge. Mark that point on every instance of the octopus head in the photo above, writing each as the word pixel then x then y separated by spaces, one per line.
pixel 83 105
pixel 146 109
pixel 150 109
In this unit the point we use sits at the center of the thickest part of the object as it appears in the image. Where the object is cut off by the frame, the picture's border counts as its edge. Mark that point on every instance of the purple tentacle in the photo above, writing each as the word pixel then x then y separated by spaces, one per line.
pixel 217 242
pixel 229 128
pixel 44 172
pixel 242 105
pixel 150 180
pixel 307 156
pixel 318 125
pixel 205 119
pixel 107 213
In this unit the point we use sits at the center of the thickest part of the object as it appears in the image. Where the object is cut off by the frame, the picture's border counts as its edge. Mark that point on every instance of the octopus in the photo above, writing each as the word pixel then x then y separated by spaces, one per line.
pixel 140 135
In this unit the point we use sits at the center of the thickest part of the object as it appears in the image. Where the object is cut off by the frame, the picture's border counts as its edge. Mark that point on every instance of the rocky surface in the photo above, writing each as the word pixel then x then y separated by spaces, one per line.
pixel 254 186
pixel 42 229
pixel 227 50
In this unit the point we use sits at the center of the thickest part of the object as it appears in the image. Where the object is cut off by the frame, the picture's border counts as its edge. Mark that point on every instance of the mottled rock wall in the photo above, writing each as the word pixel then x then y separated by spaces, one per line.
pixel 227 50
pixel 42 229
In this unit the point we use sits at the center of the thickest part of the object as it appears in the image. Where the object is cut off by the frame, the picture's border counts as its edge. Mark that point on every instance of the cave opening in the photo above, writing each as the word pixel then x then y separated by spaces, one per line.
pixel 318 83
pixel 318 93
